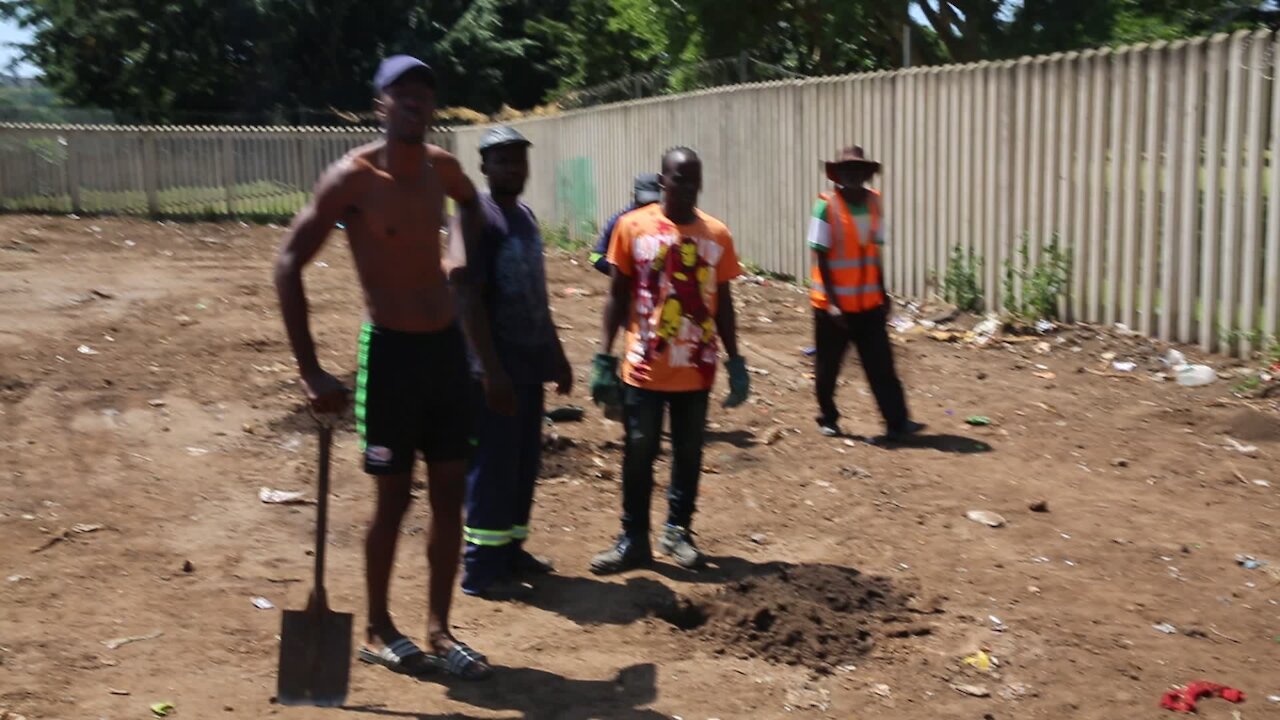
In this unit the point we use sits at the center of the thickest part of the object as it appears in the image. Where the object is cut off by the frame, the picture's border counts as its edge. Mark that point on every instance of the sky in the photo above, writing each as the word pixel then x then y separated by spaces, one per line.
pixel 11 33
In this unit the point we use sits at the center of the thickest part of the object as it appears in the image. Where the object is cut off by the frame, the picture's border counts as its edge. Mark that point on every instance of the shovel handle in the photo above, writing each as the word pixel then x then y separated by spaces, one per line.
pixel 322 512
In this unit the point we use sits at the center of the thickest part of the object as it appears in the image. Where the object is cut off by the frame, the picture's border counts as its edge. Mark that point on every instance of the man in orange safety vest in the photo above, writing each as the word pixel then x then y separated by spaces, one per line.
pixel 848 294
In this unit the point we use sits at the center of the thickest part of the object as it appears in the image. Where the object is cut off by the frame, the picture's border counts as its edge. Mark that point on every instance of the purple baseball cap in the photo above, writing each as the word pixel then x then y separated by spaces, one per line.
pixel 397 66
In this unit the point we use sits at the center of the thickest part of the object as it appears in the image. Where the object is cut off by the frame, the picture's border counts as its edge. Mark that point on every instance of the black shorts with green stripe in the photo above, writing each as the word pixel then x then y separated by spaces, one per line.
pixel 412 396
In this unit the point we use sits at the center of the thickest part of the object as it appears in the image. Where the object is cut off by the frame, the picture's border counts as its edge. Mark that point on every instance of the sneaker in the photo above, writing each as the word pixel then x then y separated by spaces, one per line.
pixel 501 591
pixel 677 543
pixel 623 556
pixel 526 563
pixel 829 429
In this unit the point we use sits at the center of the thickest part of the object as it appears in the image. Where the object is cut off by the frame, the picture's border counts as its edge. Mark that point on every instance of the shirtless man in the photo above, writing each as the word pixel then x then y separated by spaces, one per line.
pixel 413 370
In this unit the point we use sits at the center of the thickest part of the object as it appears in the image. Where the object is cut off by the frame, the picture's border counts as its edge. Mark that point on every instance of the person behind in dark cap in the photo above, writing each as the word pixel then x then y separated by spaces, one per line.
pixel 847 291
pixel 646 192
pixel 412 379
pixel 508 270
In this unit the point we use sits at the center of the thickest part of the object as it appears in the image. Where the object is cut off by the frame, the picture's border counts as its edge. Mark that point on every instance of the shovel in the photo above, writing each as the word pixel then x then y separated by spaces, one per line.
pixel 315 644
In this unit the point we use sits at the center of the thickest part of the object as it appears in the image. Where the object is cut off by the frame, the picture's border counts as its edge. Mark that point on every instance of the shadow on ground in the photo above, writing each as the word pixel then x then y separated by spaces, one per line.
pixel 541 695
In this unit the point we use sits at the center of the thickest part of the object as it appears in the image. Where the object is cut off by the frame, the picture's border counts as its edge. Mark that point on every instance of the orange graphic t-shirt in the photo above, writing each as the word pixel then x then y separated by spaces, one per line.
pixel 676 271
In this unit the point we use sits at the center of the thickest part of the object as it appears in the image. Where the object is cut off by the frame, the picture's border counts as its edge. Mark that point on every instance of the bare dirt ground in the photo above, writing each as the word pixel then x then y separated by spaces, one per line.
pixel 182 404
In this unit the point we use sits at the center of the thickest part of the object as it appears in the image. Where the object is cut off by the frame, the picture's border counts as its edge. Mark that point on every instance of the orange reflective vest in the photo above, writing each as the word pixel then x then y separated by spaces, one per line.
pixel 856 271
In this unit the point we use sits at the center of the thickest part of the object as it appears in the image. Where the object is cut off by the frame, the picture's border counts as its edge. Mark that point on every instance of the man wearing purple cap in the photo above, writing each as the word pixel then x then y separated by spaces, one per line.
pixel 413 376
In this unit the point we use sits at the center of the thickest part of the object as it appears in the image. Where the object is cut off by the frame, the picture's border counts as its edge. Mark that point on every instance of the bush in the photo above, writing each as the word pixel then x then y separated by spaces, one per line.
pixel 1045 283
pixel 962 286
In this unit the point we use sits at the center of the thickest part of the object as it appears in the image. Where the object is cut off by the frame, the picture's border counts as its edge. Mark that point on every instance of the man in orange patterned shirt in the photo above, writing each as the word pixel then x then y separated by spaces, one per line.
pixel 672 264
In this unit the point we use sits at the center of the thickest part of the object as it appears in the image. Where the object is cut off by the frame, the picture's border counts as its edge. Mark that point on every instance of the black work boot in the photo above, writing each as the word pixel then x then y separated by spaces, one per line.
pixel 677 543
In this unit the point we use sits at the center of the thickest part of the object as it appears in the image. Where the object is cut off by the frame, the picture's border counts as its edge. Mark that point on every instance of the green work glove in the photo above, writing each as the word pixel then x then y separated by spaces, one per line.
pixel 739 382
pixel 606 388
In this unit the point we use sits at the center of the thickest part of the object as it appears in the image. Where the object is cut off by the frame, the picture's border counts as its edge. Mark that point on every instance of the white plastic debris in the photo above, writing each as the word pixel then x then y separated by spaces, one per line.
pixel 282 497
pixel 1174 359
pixel 263 604
pixel 86 350
pixel 985 517
pixel 1195 375
pixel 1124 367
pixel 1165 628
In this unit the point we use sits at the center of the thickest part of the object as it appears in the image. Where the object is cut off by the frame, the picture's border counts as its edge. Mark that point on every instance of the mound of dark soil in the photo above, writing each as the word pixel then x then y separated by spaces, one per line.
pixel 819 616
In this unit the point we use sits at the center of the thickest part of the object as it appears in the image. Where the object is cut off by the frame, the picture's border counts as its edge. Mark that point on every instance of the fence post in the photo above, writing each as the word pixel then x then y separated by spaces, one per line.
pixel 229 171
pixel 308 163
pixel 150 172
pixel 73 170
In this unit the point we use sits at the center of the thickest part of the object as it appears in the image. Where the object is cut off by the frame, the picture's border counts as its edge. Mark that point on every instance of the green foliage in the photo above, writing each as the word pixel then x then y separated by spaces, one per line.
pixel 1045 282
pixel 558 236
pixel 294 60
pixel 1247 386
pixel 963 284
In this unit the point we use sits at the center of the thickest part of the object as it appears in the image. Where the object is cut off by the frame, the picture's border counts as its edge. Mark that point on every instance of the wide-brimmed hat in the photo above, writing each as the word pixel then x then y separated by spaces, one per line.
pixel 852 155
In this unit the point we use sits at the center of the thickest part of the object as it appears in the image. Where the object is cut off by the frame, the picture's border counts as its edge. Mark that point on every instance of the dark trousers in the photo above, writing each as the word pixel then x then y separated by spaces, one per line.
pixel 500 482
pixel 642 412
pixel 868 332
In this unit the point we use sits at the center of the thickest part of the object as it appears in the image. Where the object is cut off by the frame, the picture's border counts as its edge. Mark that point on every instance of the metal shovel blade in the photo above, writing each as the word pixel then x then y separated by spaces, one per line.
pixel 315 658
pixel 315 644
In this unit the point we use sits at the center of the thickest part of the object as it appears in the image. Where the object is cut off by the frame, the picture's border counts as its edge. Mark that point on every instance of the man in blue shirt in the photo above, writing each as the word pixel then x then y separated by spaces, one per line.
pixel 646 192
pixel 511 276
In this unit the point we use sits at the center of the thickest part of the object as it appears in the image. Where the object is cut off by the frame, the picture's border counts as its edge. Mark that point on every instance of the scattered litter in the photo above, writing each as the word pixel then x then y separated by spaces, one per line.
pixel 984 517
pixel 1249 562
pixel 1165 628
pixel 283 497
pixel 197 451
pixel 1174 359
pixel 759 538
pixel 1195 375
pixel 1123 330
pixel 1124 366
pixel 263 604
pixel 1262 483
pixel 1108 356
pixel 575 292
pixel 162 709
pixel 882 690
pixel 809 351
pixel 566 413
pixel 1273 698
pixel 321 264
pixel 997 624
pixel 1248 450
pixel 902 324
pixel 117 691
pixel 86 350
pixel 85 528
pixel 1041 506
pixel 972 690
pixel 157 403
pixel 988 327
pixel 1018 691
pixel 978 420
pixel 1120 462
pixel 118 643
pixel 1043 348
pixel 1184 699
pixel 774 435
pixel 980 660
pixel 1046 375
